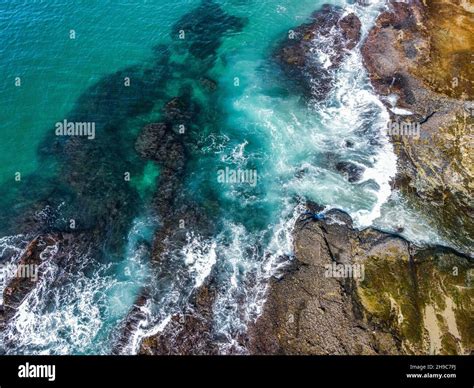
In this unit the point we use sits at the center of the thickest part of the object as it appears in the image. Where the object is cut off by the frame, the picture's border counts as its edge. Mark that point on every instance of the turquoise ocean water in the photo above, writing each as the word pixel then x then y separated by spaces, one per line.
pixel 251 121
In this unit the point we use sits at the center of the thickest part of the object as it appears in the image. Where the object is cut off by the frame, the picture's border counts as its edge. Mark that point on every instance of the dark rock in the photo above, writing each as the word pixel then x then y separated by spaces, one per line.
pixel 330 34
pixel 129 326
pixel 159 143
pixel 209 84
pixel 181 109
pixel 352 171
pixel 350 27
pixel 188 333
pixel 205 27
pixel 19 287
pixel 38 251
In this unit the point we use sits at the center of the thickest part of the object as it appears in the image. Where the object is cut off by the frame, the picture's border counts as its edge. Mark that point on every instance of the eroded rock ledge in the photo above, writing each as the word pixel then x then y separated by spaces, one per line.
pixel 410 300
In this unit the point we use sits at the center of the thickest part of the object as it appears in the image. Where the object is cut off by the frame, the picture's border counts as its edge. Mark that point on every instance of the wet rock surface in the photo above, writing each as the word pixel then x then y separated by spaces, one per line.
pixel 380 309
pixel 389 308
pixel 18 286
pixel 189 332
pixel 350 170
pixel 313 51
pixel 409 301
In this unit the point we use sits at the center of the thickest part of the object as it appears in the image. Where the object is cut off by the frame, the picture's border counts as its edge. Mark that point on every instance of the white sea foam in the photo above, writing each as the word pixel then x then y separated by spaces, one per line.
pixel 188 269
pixel 401 111
pixel 245 259
pixel 69 318
pixel 237 156
pixel 52 320
pixel 200 257
pixel 354 108
pixel 252 260
pixel 399 217
pixel 351 101
pixel 146 327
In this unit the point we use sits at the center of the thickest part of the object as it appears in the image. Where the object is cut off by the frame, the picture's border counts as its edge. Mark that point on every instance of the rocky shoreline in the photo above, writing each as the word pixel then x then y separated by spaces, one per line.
pixel 397 299
pixel 336 34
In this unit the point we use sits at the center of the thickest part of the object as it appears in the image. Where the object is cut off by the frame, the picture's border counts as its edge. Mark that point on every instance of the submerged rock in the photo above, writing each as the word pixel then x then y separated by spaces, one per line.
pixel 181 109
pixel 367 292
pixel 313 51
pixel 159 143
pixel 200 31
pixel 180 218
pixel 208 84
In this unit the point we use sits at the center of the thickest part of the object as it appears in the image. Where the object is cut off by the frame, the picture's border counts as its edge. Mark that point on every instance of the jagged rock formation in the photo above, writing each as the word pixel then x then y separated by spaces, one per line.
pixel 171 144
pixel 19 286
pixel 407 299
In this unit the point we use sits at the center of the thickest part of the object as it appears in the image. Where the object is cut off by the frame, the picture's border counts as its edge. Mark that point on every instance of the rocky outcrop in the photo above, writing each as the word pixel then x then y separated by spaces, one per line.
pixel 158 142
pixel 329 35
pixel 367 292
pixel 419 58
pixel 348 291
